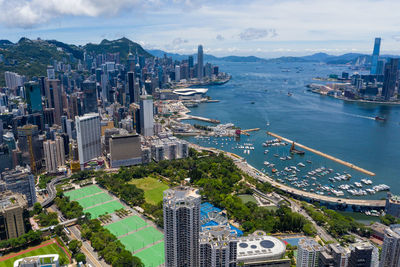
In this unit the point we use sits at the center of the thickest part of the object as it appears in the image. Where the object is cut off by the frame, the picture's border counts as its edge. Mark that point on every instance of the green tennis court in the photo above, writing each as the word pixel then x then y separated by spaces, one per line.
pixel 152 256
pixel 126 225
pixel 108 208
pixel 94 200
pixel 83 192
pixel 141 238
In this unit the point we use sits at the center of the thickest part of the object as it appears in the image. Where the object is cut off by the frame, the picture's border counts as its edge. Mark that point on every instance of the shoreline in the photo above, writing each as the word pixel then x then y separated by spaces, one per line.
pixel 380 103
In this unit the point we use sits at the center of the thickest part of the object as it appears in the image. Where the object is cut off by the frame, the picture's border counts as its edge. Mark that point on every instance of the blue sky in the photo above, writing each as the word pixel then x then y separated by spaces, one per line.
pixel 266 28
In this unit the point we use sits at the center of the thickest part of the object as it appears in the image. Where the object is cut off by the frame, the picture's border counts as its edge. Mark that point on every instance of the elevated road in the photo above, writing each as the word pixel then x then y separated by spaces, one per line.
pixel 256 174
pixel 51 190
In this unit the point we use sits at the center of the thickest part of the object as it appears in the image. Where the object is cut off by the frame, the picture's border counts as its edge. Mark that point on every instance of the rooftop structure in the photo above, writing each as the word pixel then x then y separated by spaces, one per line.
pixel 392 206
pixel 49 260
pixel 308 253
pixel 259 249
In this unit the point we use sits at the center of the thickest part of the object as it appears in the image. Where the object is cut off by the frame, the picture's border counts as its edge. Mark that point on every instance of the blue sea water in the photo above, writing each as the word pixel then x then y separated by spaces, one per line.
pixel 258 94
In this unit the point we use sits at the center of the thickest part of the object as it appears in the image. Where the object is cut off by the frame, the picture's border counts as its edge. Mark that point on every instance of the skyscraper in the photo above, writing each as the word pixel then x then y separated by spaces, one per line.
pixel 390 79
pixel 200 62
pixel 146 116
pixel 88 134
pixel 177 73
pixel 90 96
pixel 390 256
pixel 54 99
pixel 218 247
pixel 181 206
pixel 19 180
pixel 33 97
pixel 54 154
pixel 308 253
pixel 12 207
pixel 30 146
pixel 363 254
pixel 375 56
pixel 133 90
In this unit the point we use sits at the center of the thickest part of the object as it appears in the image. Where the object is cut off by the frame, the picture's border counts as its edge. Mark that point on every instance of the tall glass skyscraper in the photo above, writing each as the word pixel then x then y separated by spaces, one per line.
pixel 200 62
pixel 33 97
pixel 375 55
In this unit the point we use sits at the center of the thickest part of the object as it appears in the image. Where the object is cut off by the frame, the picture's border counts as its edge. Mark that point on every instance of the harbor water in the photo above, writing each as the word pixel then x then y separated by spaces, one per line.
pixel 257 97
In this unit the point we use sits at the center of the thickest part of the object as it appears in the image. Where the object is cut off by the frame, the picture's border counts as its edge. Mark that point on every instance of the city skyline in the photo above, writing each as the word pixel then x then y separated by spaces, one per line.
pixel 265 29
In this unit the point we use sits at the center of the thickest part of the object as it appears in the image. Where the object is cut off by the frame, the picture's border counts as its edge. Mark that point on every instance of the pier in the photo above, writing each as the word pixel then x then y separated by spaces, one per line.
pixel 246 132
pixel 309 196
pixel 347 164
pixel 191 117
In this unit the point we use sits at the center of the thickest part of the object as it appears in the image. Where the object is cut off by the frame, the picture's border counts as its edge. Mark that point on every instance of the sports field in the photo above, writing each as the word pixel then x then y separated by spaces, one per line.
pixel 126 225
pixel 46 249
pixel 152 256
pixel 153 189
pixel 108 208
pixel 82 192
pixel 247 198
pixel 94 200
pixel 141 238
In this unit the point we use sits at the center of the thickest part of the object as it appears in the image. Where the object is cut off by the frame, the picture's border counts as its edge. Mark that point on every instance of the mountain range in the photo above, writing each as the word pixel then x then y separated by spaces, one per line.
pixel 31 57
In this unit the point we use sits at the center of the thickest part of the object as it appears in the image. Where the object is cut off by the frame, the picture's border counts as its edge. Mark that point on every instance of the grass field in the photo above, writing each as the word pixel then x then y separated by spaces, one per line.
pixel 247 198
pixel 152 256
pixel 50 249
pixel 153 189
pixel 141 238
pixel 82 192
pixel 94 200
pixel 108 208
pixel 126 225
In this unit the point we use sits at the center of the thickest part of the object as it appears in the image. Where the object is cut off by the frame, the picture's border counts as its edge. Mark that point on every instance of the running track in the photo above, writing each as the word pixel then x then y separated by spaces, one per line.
pixel 45 244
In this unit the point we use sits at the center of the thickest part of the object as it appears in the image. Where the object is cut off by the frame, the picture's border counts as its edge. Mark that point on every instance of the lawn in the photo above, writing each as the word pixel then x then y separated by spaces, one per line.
pixel 153 189
pixel 92 200
pixel 50 249
pixel 247 198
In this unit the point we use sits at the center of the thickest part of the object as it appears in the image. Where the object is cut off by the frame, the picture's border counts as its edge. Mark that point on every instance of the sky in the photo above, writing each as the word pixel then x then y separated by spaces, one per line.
pixel 264 28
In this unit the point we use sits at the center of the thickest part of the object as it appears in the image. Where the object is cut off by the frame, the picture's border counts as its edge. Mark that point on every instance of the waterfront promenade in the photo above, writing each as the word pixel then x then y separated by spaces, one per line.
pixel 253 172
pixel 347 164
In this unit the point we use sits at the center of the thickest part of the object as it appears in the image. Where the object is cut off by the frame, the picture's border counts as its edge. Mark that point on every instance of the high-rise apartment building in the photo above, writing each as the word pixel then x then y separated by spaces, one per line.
pixel 54 154
pixel 54 98
pixel 33 97
pixel 13 80
pixel 218 247
pixel 363 254
pixel 375 56
pixel 19 180
pixel 390 79
pixel 30 146
pixel 390 256
pixel 181 207
pixel 200 62
pixel 12 206
pixel 308 253
pixel 88 134
pixel 146 116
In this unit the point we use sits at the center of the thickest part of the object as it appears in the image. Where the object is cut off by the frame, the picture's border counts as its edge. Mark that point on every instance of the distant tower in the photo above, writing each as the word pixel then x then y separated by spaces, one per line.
pixel 200 63
pixel 375 56
pixel 90 96
pixel 390 79
pixel 181 207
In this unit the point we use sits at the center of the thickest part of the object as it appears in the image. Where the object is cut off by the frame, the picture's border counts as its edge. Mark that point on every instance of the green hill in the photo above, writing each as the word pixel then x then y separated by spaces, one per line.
pixel 121 45
pixel 31 57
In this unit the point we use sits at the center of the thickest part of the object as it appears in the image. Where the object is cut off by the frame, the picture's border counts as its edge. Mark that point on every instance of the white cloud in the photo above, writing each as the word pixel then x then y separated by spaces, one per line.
pixel 253 34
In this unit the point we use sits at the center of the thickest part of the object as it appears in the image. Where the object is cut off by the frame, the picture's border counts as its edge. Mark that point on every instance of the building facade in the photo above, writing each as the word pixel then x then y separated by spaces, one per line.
pixel 390 256
pixel 146 116
pixel 19 180
pixel 181 208
pixel 54 154
pixel 308 253
pixel 12 207
pixel 88 133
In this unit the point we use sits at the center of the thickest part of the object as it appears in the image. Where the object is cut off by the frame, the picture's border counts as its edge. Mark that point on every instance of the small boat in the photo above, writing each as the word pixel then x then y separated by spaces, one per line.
pixel 309 161
pixel 274 170
pixel 276 155
pixel 378 118
pixel 289 94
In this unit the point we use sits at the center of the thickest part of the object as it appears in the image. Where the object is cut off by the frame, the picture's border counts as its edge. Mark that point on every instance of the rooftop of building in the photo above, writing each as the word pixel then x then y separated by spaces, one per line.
pixel 181 193
pixel 9 200
pixel 16 172
pixel 309 244
pixel 46 260
pixel 215 234
pixel 190 91
pixel 259 247
pixel 378 227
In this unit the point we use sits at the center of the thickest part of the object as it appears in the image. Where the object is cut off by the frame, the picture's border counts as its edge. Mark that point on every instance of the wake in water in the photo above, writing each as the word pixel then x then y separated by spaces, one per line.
pixel 358 116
